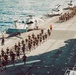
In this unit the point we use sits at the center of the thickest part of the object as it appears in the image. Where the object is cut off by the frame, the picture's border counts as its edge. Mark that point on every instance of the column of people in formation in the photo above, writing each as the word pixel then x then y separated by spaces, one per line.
pixel 66 16
pixel 20 48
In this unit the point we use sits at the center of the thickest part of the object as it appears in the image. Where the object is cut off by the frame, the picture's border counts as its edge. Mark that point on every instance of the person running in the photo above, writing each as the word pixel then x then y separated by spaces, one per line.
pixel 49 33
pixel 37 42
pixel 1 67
pixel 33 36
pixel 11 52
pixel 26 40
pixel 13 58
pixel 19 44
pixel 23 48
pixel 42 31
pixel 29 46
pixel 3 61
pixel 24 59
pixel 34 44
pixel 19 48
pixel 15 46
pixel 29 37
pixel 45 36
pixel 7 50
pixel 38 36
pixel 6 58
pixel 18 54
pixel 2 52
pixel 22 42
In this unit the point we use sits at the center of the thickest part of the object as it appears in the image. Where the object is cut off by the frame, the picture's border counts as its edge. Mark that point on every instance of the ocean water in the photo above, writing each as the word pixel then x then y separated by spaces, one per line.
pixel 11 10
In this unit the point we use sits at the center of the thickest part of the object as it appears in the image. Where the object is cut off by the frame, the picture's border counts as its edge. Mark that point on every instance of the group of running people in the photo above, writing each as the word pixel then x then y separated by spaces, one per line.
pixel 19 50
pixel 68 15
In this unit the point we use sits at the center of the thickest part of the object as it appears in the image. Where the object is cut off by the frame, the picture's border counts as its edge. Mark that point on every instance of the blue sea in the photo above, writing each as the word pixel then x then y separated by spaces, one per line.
pixel 11 10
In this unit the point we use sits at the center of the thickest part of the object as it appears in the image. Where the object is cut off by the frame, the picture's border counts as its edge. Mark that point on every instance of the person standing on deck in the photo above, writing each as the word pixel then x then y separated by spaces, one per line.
pixel 50 27
pixel 2 41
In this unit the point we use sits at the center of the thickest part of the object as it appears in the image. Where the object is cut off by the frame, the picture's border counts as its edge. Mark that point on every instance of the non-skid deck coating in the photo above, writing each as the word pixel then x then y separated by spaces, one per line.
pixel 18 64
pixel 55 54
pixel 63 34
pixel 51 63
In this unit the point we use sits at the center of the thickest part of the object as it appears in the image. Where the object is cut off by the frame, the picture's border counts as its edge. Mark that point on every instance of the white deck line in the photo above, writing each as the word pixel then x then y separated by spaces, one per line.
pixel 18 64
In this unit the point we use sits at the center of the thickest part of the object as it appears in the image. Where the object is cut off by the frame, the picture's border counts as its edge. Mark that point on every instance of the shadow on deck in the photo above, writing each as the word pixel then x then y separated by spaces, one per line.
pixel 52 63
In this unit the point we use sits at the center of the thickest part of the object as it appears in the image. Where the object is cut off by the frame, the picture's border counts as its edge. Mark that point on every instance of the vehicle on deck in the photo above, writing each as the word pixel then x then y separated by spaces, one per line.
pixel 55 11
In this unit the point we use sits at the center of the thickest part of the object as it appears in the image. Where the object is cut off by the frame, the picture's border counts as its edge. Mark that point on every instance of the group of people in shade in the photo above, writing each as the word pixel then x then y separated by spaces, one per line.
pixel 67 16
pixel 19 50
